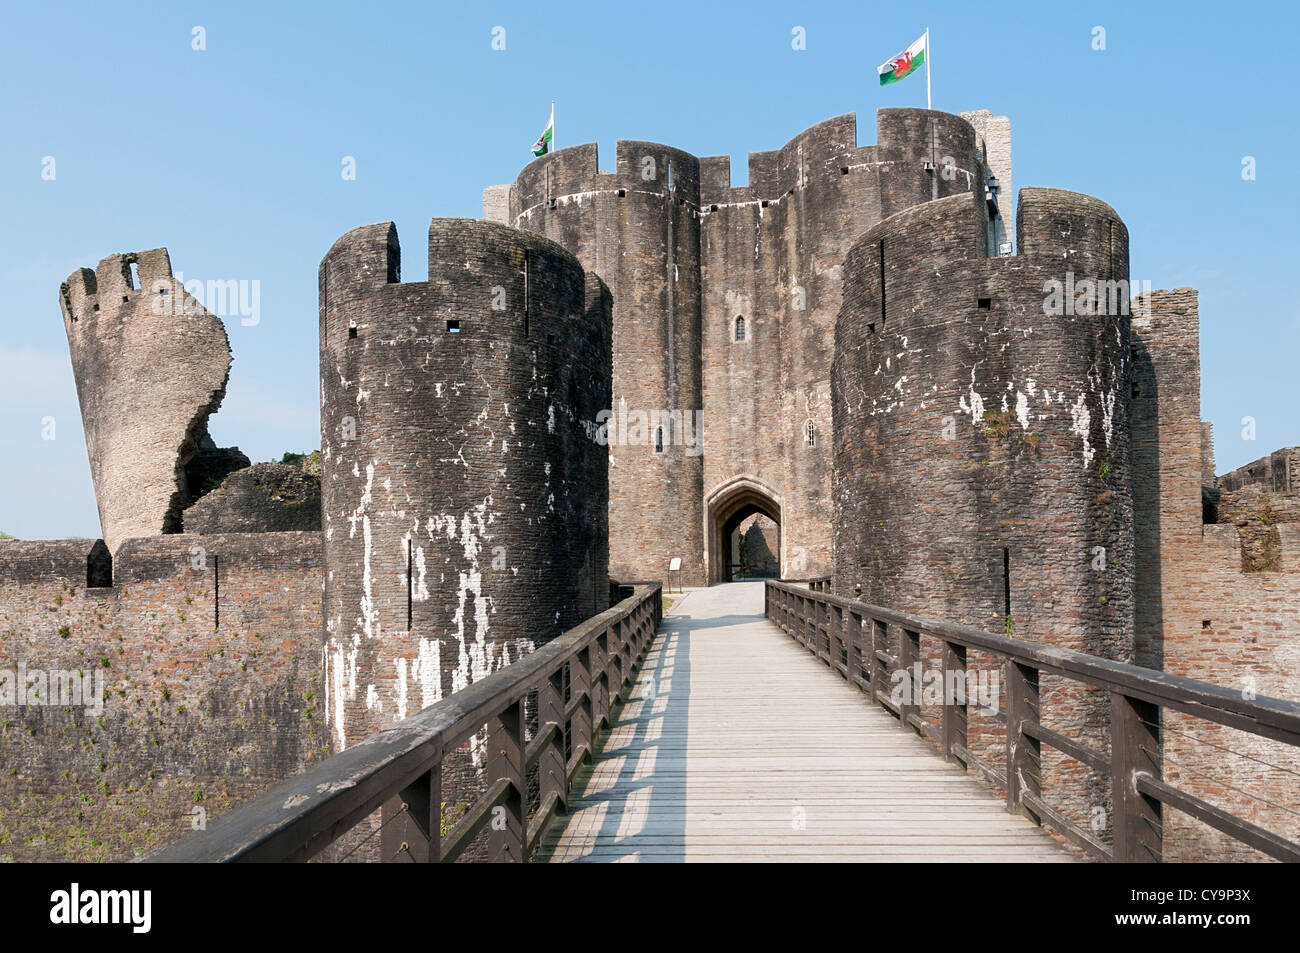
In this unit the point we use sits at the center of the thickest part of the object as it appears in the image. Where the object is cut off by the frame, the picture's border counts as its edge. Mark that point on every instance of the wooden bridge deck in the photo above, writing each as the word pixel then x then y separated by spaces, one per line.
pixel 738 745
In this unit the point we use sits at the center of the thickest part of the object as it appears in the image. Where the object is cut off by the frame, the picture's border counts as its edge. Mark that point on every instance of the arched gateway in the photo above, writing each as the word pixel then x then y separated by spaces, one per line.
pixel 729 505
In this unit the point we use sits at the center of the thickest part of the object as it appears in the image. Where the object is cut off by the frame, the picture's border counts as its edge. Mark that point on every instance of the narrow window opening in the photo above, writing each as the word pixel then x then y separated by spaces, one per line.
pixel 985 304
pixel 352 331
pixel 713 208
pixel 550 340
pixel 95 308
pixel 527 292
pixel 622 193
pixel 670 175
pixel 810 433
pixel 135 277
pixel 1006 590
pixel 1137 391
pixel 882 282
pixel 659 440
pixel 871 328
pixel 453 326
pixel 740 327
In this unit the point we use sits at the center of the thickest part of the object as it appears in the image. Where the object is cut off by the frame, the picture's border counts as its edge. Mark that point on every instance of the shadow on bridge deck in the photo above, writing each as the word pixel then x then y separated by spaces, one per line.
pixel 737 745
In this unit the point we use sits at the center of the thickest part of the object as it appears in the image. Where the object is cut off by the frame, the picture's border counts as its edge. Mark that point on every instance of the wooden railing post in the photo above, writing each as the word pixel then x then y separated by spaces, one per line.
pixel 1023 751
pixel 878 642
pixel 551 774
pixel 1134 750
pixel 853 642
pixel 954 714
pixel 412 821
pixel 909 655
pixel 582 729
pixel 506 761
pixel 599 682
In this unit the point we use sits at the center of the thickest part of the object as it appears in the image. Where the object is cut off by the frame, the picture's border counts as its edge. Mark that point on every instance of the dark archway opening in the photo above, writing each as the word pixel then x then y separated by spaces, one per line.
pixel 744 535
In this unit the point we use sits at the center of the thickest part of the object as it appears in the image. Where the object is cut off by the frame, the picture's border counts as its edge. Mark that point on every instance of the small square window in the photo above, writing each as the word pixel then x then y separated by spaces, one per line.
pixel 453 326
pixel 1205 623
pixel 844 170
pixel 985 304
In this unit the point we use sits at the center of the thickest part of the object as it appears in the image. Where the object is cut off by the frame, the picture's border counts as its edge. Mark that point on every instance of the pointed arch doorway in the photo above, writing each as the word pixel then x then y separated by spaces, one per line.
pixel 730 505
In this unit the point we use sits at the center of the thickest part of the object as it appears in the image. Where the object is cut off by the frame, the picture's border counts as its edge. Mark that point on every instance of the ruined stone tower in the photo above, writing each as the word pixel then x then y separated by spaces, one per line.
pixel 724 302
pixel 151 365
pixel 464 496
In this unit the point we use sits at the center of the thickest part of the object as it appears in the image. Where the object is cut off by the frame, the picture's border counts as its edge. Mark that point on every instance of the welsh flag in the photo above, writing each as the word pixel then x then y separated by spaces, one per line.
pixel 903 64
pixel 543 143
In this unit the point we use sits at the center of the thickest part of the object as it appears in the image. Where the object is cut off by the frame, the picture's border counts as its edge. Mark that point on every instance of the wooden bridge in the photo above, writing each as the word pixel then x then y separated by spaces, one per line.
pixel 739 745
pixel 756 723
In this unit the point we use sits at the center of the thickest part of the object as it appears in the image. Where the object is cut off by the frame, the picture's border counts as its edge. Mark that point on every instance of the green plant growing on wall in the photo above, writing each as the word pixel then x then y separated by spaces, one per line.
pixel 997 423
pixel 1009 627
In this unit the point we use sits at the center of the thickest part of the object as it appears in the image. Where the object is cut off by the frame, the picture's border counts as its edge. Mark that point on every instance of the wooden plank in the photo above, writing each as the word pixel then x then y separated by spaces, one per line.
pixel 738 744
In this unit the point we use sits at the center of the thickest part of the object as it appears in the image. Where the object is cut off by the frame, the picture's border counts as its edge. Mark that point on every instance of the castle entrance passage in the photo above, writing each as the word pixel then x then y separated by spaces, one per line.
pixel 743 531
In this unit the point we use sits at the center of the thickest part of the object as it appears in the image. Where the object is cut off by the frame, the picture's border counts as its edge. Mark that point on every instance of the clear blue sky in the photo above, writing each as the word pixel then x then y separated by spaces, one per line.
pixel 231 158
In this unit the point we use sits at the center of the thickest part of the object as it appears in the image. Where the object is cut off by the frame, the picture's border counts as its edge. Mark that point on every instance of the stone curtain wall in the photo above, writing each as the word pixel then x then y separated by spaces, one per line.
pixel 147 383
pixel 194 718
pixel 968 421
pixel 458 439
pixel 1200 612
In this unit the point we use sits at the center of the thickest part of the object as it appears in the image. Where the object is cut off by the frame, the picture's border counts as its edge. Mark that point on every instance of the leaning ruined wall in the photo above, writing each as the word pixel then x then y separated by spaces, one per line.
pixel 147 383
pixel 968 421
pixel 464 494
pixel 194 716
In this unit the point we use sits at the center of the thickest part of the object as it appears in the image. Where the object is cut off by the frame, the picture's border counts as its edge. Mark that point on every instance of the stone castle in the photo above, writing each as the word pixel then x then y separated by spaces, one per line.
pixel 610 372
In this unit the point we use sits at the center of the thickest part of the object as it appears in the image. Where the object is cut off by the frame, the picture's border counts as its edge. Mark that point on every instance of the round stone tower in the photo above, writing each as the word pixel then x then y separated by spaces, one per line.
pixel 639 229
pixel 981 410
pixel 464 494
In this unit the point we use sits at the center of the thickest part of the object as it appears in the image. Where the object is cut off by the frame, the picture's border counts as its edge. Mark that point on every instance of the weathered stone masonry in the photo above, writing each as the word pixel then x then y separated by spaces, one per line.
pixel 685 255
pixel 195 717
pixel 464 492
pixel 151 366
pixel 971 426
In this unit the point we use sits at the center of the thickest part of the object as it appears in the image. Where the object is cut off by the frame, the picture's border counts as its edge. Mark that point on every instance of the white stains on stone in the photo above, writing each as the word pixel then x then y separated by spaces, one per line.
pixel 1022 410
pixel 1081 424
pixel 550 418
pixel 971 402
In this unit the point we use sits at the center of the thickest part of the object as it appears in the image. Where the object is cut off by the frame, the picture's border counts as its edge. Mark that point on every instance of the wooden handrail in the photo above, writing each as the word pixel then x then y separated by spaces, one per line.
pixel 1137 697
pixel 399 769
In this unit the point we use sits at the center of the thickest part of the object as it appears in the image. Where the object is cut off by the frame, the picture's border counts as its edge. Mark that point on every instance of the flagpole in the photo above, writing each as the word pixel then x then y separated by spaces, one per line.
pixel 927 69
pixel 552 125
